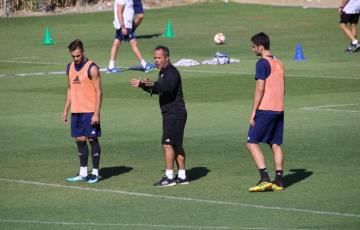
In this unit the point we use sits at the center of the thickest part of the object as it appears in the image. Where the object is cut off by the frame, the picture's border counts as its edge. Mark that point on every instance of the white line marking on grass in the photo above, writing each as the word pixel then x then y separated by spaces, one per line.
pixel 140 225
pixel 33 74
pixel 327 108
pixel 244 205
pixel 41 73
pixel 17 58
pixel 185 70
pixel 112 225
pixel 286 75
pixel 32 62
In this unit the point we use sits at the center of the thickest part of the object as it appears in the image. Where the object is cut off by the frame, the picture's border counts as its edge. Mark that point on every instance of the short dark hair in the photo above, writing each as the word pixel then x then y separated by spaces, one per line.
pixel 77 43
pixel 164 49
pixel 261 39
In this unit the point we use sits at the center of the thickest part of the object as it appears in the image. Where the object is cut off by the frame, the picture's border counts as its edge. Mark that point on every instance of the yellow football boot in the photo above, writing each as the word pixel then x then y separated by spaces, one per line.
pixel 276 187
pixel 262 186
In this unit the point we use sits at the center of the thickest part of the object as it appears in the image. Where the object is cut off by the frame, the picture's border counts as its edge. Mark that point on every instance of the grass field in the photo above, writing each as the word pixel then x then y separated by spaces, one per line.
pixel 321 131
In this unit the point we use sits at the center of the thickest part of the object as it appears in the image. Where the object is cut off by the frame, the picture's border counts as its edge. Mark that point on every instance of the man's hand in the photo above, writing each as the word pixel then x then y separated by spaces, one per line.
pixel 135 82
pixel 124 30
pixel 340 10
pixel 95 119
pixel 252 119
pixel 64 117
pixel 148 82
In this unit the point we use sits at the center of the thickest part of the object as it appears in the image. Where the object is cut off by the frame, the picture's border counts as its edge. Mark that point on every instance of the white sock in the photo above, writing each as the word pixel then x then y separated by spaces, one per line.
pixel 83 171
pixel 143 63
pixel 169 173
pixel 182 174
pixel 111 64
pixel 95 172
pixel 355 42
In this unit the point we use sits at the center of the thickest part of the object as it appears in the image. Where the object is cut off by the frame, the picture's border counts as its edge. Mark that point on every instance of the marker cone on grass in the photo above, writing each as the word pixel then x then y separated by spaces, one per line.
pixel 47 37
pixel 169 31
pixel 299 56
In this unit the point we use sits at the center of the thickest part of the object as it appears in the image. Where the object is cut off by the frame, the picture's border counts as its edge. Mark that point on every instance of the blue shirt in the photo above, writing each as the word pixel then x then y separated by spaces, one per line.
pixel 263 69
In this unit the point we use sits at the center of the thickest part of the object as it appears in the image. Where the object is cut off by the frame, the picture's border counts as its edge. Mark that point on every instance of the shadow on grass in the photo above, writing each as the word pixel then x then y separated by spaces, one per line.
pixel 108 172
pixel 197 172
pixel 147 36
pixel 296 176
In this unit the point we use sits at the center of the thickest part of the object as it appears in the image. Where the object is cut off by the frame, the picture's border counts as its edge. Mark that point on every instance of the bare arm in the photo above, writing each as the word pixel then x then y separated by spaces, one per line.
pixel 259 93
pixel 120 11
pixel 67 104
pixel 96 79
pixel 342 4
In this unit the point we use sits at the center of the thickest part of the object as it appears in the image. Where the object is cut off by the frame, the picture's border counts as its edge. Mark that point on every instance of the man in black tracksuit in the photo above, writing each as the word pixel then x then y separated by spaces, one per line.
pixel 172 105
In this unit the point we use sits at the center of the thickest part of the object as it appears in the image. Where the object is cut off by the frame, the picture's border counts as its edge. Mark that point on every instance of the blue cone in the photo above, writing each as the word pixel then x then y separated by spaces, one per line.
pixel 299 56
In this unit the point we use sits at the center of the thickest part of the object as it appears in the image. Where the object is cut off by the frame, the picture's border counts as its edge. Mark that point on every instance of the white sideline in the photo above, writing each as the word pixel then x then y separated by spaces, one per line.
pixel 30 62
pixel 111 225
pixel 185 70
pixel 327 108
pixel 14 60
pixel 286 75
pixel 244 205
pixel 143 225
pixel 17 58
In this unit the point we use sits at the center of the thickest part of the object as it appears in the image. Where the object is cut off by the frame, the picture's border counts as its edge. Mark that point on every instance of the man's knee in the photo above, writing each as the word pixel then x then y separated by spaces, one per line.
pixel 249 146
pixel 139 17
pixel 179 150
pixel 167 147
pixel 80 138
pixel 116 43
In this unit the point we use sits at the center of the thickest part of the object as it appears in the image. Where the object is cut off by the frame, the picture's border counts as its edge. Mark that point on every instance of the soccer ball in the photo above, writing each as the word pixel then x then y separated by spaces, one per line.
pixel 219 38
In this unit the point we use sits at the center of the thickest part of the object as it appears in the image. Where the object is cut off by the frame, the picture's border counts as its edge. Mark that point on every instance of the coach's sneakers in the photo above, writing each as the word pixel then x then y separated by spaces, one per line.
pixel 262 186
pixel 76 178
pixel 355 47
pixel 182 181
pixel 149 67
pixel 165 182
pixel 92 179
pixel 113 70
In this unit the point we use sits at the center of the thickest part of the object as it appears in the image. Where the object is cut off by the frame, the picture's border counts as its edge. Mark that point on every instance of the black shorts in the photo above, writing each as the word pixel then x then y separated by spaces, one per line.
pixel 349 18
pixel 173 131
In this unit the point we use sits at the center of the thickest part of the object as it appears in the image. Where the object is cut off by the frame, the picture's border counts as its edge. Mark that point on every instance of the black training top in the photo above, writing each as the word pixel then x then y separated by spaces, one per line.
pixel 169 88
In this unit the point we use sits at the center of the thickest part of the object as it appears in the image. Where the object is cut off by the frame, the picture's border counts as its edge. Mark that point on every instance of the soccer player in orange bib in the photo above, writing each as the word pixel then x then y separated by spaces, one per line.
pixel 267 115
pixel 84 96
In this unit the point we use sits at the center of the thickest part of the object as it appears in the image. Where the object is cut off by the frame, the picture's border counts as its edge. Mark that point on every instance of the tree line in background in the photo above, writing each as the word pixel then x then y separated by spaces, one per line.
pixel 43 5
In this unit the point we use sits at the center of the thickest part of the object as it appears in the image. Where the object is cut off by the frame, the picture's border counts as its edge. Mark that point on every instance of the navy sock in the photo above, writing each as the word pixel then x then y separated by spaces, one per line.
pixel 83 152
pixel 95 153
pixel 264 176
pixel 279 177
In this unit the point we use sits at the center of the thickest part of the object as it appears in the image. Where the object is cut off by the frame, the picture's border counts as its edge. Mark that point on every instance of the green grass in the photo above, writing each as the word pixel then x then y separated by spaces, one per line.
pixel 321 147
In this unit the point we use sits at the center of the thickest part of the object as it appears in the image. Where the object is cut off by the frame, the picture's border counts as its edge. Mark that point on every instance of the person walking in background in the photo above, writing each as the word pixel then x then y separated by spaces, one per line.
pixel 139 14
pixel 84 96
pixel 267 114
pixel 349 11
pixel 174 115
pixel 123 23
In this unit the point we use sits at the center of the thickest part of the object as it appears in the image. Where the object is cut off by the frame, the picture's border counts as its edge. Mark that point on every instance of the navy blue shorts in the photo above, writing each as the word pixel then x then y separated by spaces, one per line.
pixel 131 35
pixel 173 131
pixel 269 128
pixel 138 7
pixel 81 126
